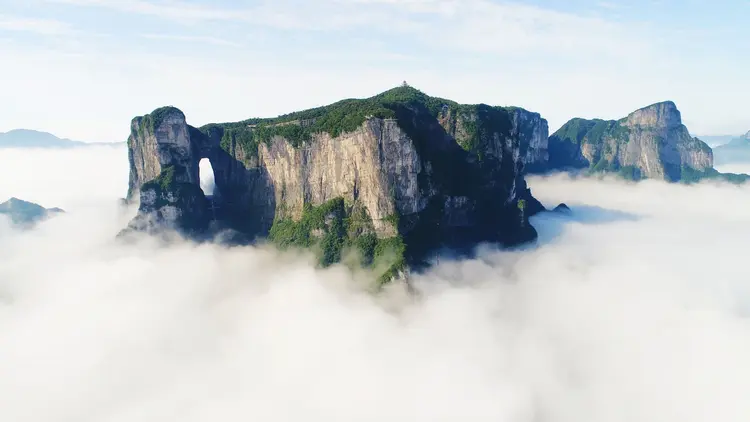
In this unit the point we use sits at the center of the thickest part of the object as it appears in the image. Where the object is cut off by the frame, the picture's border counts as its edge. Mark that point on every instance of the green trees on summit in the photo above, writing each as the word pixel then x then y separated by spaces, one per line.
pixel 335 227
pixel 348 115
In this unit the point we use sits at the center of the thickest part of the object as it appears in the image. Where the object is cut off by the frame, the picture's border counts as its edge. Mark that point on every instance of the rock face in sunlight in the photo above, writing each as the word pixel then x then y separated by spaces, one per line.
pixel 377 174
pixel 25 214
pixel 533 132
pixel 650 143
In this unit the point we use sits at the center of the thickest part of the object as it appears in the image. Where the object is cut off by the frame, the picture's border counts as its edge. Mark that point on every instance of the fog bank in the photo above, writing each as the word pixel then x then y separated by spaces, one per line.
pixel 632 309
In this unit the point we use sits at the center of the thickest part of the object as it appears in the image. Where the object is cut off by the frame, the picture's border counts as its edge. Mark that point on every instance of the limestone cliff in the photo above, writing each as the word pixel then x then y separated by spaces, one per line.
pixel 649 143
pixel 533 132
pixel 400 172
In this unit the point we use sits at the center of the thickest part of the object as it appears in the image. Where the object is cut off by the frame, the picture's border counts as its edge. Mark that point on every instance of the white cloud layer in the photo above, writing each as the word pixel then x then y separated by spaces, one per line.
pixel 633 309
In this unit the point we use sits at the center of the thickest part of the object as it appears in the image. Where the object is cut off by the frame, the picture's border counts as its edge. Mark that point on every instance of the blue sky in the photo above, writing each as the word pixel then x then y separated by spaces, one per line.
pixel 83 68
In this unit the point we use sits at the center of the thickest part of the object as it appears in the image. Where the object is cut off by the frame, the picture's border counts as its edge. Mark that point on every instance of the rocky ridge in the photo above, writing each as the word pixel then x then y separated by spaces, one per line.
pixel 399 174
pixel 651 142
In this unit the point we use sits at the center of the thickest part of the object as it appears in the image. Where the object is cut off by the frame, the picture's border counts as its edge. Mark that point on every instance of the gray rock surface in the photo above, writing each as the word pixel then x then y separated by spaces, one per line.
pixel 533 133
pixel 376 165
pixel 651 142
pixel 452 177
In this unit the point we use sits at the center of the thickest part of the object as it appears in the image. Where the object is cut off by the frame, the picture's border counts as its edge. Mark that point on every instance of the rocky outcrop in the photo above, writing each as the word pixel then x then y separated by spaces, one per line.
pixel 157 141
pixel 649 143
pixel 401 170
pixel 26 214
pixel 533 133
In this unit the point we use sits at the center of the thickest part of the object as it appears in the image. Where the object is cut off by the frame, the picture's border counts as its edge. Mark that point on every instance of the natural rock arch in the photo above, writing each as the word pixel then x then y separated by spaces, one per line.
pixel 165 155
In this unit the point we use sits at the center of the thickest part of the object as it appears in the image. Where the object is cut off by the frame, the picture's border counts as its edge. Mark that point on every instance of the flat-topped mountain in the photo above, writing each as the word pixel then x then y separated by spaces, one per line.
pixel 396 175
pixel 26 213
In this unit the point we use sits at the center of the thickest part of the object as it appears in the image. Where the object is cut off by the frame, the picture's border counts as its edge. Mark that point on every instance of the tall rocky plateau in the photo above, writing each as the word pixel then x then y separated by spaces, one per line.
pixel 394 176
pixel 649 143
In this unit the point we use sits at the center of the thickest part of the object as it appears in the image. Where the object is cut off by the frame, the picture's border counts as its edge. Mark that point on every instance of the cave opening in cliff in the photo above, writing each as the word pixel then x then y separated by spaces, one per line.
pixel 207 179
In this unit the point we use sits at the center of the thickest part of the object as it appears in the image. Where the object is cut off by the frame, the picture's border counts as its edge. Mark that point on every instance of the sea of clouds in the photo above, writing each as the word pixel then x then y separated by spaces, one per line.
pixel 633 309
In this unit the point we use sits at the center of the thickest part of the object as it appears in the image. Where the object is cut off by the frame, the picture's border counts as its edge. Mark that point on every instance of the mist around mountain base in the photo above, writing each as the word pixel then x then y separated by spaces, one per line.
pixel 633 307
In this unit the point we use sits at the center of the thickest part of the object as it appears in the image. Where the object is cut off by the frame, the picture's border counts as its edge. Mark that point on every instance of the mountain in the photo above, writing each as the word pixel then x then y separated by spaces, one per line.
pixel 735 151
pixel 649 143
pixel 26 213
pixel 716 140
pixel 25 138
pixel 396 176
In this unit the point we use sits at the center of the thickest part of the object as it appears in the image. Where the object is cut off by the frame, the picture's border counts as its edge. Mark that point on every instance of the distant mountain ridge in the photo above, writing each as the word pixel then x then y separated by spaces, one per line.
pixel 24 213
pixel 735 151
pixel 650 143
pixel 715 141
pixel 27 138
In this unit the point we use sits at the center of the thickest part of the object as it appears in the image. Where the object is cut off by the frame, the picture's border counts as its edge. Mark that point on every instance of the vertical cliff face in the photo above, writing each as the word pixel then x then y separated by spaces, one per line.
pixel 376 166
pixel 649 143
pixel 164 174
pixel 158 140
pixel 400 171
pixel 533 134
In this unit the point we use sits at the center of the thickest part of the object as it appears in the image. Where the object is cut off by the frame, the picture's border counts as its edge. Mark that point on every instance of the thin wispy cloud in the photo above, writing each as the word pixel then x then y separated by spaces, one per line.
pixel 34 25
pixel 192 39
pixel 562 61
pixel 472 25
pixel 174 10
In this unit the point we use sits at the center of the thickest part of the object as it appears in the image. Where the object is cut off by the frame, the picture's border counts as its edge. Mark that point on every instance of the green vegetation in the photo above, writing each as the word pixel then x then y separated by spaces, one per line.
pixel 736 178
pixel 607 129
pixel 165 181
pixel 595 132
pixel 574 130
pixel 605 166
pixel 404 103
pixel 241 136
pixel 153 120
pixel 630 173
pixel 332 228
pixel 188 197
pixel 690 175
